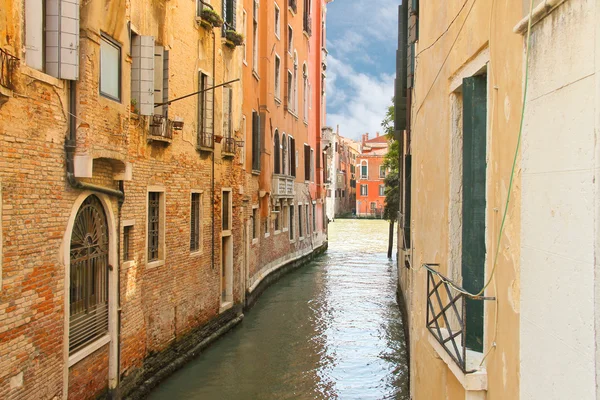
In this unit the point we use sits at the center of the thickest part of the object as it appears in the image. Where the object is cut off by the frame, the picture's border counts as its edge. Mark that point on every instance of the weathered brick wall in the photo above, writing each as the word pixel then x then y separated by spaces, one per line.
pixel 88 378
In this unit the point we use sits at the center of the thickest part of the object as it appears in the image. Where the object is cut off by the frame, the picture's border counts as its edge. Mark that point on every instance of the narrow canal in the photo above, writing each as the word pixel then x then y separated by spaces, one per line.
pixel 330 330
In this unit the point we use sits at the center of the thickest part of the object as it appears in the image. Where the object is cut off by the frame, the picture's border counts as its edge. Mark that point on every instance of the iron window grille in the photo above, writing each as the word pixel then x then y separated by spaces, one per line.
pixel 229 145
pixel 88 285
pixel 8 65
pixel 195 222
pixel 127 243
pixel 153 225
pixel 445 317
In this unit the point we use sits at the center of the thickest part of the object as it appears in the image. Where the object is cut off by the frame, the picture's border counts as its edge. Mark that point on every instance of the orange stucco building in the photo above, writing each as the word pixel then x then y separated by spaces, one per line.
pixel 370 186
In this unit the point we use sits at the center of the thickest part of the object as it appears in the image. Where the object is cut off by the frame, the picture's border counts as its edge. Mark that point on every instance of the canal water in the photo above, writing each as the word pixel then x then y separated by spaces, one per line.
pixel 329 330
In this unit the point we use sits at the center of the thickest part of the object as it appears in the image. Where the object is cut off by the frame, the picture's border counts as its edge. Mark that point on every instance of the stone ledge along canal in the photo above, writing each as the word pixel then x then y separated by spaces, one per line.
pixel 329 330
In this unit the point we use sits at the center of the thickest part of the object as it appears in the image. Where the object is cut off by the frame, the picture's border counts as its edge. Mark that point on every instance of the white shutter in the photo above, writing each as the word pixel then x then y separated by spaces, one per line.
pixel 142 73
pixel 62 39
pixel 34 30
pixel 158 78
pixel 226 112
pixel 209 98
pixel 165 86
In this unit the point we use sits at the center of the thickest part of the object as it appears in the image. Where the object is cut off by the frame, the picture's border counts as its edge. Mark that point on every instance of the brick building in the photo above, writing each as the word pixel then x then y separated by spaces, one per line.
pixel 370 186
pixel 129 223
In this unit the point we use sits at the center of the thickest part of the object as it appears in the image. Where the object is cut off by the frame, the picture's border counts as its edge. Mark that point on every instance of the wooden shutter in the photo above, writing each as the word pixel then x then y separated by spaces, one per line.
pixel 165 82
pixel 201 104
pixel 255 141
pixel 209 99
pixel 306 163
pixel 34 34
pixel 158 78
pixel 474 199
pixel 62 39
pixel 142 73
pixel 293 156
pixel 226 112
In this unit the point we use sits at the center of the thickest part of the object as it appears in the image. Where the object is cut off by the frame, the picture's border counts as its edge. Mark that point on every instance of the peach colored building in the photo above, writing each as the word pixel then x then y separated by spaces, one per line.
pixel 370 175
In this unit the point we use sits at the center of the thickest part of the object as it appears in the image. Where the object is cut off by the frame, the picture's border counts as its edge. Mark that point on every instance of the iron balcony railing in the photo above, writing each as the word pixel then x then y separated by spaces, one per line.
pixel 446 312
pixel 293 5
pixel 160 127
pixel 228 145
pixel 8 64
pixel 206 141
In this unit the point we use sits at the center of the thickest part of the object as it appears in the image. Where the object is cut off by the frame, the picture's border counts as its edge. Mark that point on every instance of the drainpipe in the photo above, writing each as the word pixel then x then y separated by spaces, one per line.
pixel 212 177
pixel 70 144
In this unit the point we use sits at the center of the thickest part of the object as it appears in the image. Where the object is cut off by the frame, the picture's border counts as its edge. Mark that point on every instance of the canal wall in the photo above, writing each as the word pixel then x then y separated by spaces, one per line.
pixel 160 365
pixel 273 271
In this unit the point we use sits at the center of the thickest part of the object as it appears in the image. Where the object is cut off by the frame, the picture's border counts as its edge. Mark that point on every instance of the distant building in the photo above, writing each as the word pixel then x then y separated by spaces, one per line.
pixel 341 155
pixel 370 187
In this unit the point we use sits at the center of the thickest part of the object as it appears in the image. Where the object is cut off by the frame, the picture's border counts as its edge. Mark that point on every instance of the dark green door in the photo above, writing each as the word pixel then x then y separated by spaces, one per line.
pixel 473 206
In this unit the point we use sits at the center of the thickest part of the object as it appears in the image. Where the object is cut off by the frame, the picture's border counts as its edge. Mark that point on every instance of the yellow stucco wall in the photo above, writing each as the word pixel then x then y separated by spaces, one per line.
pixel 478 34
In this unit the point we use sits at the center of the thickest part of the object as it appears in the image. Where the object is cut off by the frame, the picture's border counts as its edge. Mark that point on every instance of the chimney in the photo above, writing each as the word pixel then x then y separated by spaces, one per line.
pixel 367 136
pixel 376 134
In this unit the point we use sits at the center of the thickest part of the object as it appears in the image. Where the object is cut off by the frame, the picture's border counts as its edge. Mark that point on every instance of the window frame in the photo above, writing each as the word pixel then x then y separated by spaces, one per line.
pixel 199 217
pixel 104 38
pixel 255 38
pixel 228 231
pixel 160 260
pixel 255 226
pixel 277 89
pixel 290 41
pixel 277 17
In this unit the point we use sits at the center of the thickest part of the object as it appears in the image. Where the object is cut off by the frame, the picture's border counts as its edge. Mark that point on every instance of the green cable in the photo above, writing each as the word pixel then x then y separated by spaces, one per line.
pixel 512 174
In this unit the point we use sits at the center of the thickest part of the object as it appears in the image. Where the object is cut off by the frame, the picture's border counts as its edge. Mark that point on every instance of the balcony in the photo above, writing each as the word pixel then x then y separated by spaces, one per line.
pixel 8 65
pixel 206 142
pixel 446 312
pixel 283 186
pixel 161 130
pixel 228 147
pixel 293 6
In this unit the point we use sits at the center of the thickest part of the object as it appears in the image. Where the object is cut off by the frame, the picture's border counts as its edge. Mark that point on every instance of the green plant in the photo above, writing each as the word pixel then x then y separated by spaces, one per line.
pixel 133 104
pixel 234 37
pixel 212 17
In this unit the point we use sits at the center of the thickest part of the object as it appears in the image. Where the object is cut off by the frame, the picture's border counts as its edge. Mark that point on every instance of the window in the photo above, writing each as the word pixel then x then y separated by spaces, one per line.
pixel 307 22
pixel 382 172
pixel 155 226
pixel 244 32
pixel 277 220
pixel 195 221
pixel 285 215
pixel 292 150
pixel 295 89
pixel 229 9
pixel 267 226
pixel 314 217
pixel 305 92
pixel 363 190
pixel 285 169
pixel 255 37
pixel 243 150
pixel 290 39
pixel 307 219
pixel 382 190
pixel 226 210
pixel 291 221
pixel 277 78
pixel 89 275
pixel 255 223
pixel 255 141
pixel 205 111
pixel 52 37
pixel 364 172
pixel 312 165
pixel 290 91
pixel 110 68
pixel 276 154
pixel 127 233
pixel 277 21
pixel 300 222
pixel 373 207
pixel 227 112
pixel 307 151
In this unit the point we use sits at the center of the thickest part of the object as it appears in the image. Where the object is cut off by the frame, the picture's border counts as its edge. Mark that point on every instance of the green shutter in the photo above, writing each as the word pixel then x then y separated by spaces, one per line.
pixel 474 199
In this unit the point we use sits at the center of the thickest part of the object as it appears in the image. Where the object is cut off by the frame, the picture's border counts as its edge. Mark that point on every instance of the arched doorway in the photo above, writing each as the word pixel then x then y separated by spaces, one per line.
pixel 89 275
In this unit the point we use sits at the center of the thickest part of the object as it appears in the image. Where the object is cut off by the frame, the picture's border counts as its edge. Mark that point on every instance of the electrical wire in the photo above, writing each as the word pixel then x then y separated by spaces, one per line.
pixel 445 59
pixel 447 29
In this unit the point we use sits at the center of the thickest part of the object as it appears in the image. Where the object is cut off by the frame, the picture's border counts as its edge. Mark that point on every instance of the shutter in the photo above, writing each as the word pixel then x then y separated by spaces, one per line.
pixel 209 99
pixel 294 157
pixel 62 39
pixel 230 115
pixel 306 163
pixel 142 73
pixel 255 141
pixel 34 31
pixel 233 12
pixel 158 78
pixel 473 207
pixel 165 82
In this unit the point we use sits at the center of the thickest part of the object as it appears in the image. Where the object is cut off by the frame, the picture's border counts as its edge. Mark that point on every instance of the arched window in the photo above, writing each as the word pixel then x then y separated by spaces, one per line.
pixel 88 284
pixel 364 169
pixel 284 156
pixel 276 152
pixel 295 97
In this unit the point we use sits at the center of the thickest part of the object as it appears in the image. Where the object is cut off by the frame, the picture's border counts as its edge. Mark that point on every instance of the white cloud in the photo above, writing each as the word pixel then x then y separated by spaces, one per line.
pixel 362 101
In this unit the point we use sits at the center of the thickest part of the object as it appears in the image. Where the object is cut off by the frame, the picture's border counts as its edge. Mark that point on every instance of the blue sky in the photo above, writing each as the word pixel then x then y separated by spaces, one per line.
pixel 361 40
